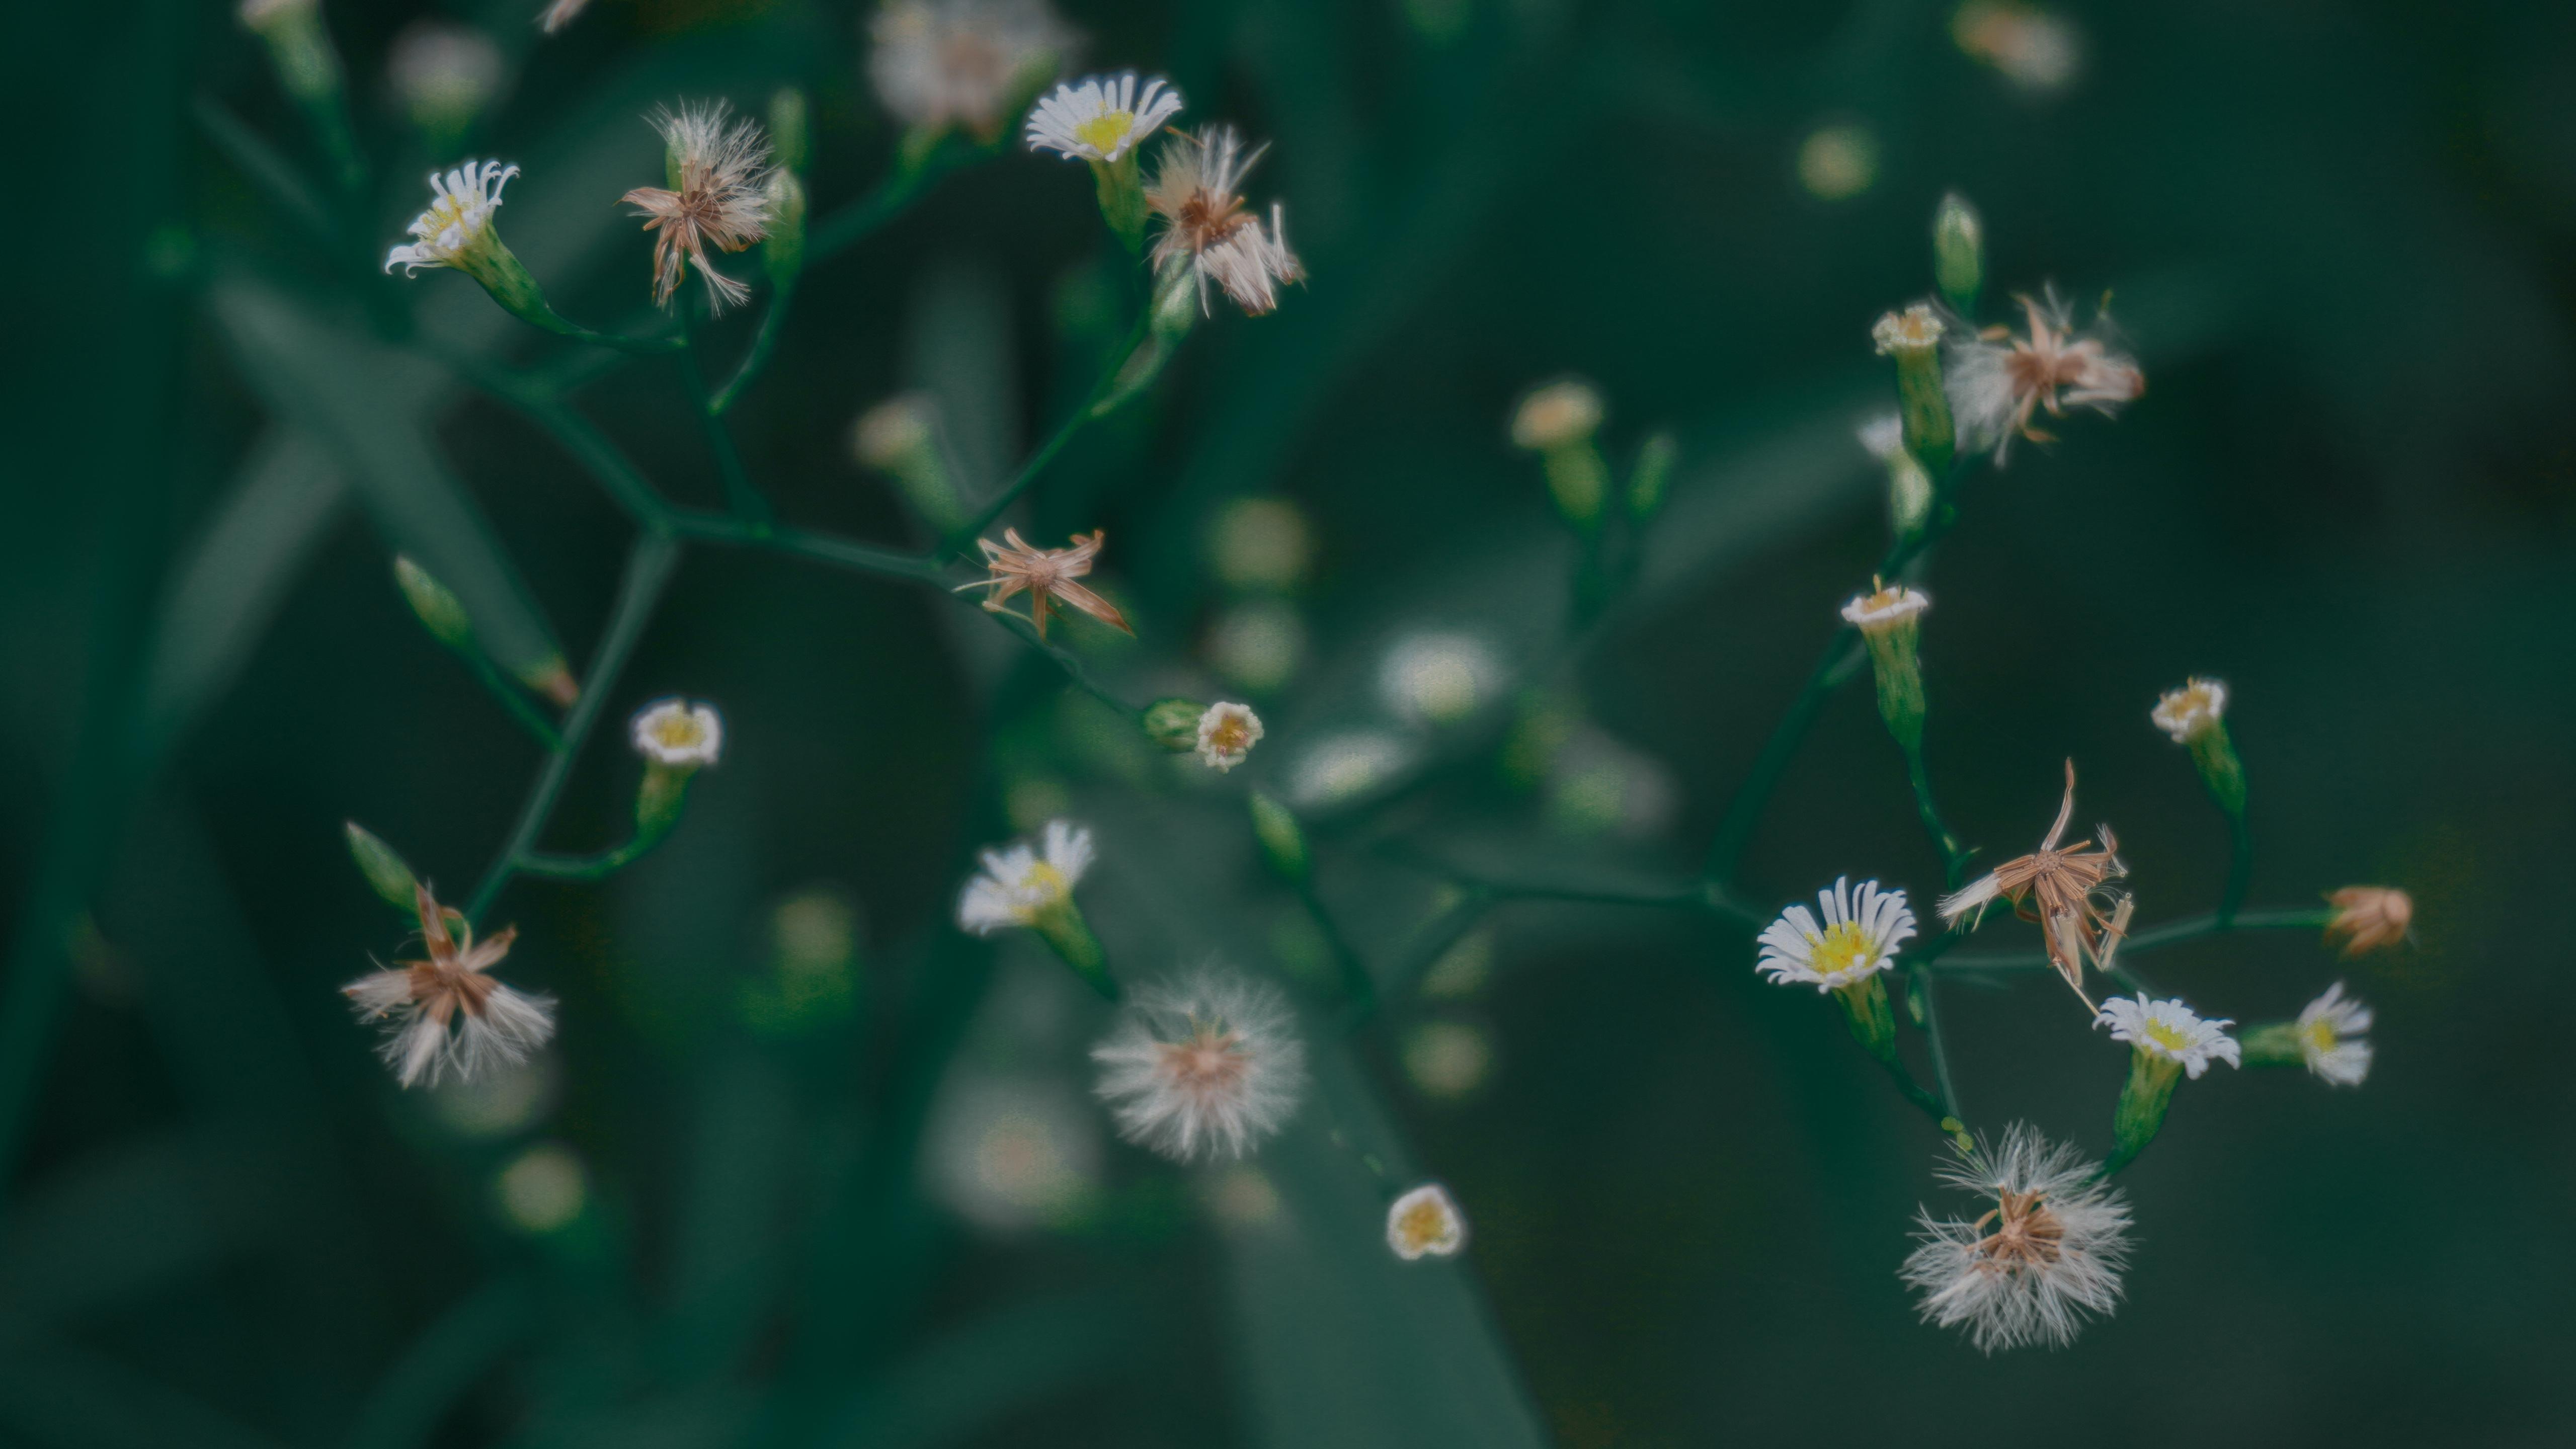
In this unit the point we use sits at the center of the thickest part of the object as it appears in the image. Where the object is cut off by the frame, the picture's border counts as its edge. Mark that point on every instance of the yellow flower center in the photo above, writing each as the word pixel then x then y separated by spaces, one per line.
pixel 679 732
pixel 1105 132
pixel 1422 1225
pixel 1047 883
pixel 2171 1038
pixel 2321 1035
pixel 1230 735
pixel 1842 947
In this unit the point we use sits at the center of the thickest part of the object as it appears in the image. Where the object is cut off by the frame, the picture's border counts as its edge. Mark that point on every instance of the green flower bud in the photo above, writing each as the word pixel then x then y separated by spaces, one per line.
pixel 790 134
pixel 1913 338
pixel 1888 621
pixel 1283 841
pixel 1121 188
pixel 386 872
pixel 1558 422
pixel 1174 724
pixel 1871 1018
pixel 440 611
pixel 1958 252
pixel 1654 472
pixel 2194 716
pixel 782 252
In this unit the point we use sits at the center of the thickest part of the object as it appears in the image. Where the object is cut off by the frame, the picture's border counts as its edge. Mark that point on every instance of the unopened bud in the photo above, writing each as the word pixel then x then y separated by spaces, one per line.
pixel 899 438
pixel 386 872
pixel 1654 474
pixel 1283 841
pixel 2195 717
pixel 1888 621
pixel 790 138
pixel 1174 724
pixel 1557 422
pixel 1958 252
pixel 307 65
pixel 440 612
pixel 1913 338
pixel 782 252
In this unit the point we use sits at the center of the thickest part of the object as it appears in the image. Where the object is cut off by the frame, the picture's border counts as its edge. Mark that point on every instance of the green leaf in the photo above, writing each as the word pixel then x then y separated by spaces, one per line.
pixel 361 399
pixel 236 576
pixel 1340 1341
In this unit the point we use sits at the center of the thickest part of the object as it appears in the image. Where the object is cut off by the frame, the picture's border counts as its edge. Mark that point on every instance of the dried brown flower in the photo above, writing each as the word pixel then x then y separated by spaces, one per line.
pixel 1197 191
pixel 1047 575
pixel 2066 891
pixel 722 166
pixel 423 998
pixel 2369 918
pixel 1998 382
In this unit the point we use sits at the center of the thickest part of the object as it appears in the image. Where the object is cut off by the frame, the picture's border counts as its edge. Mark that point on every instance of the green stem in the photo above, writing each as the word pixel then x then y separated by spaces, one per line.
pixel 2190 928
pixel 1934 1041
pixel 598 865
pixel 745 500
pixel 1359 989
pixel 512 697
pixel 763 343
pixel 855 222
pixel 820 548
pixel 2240 868
pixel 1744 812
pixel 648 570
pixel 961 541
pixel 266 170
pixel 1952 857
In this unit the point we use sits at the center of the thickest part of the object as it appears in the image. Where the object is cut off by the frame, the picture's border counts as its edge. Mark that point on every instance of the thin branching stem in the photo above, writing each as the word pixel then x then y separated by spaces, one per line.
pixel 962 540
pixel 763 343
pixel 745 500
pixel 2240 868
pixel 860 219
pixel 648 570
pixel 2190 928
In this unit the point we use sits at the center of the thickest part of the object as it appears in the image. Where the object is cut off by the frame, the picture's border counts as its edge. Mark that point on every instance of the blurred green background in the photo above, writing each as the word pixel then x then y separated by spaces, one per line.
pixel 807 1167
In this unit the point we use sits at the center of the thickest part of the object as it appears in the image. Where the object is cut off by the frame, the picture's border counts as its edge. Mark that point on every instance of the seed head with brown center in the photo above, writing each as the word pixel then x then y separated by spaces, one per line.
pixel 2066 890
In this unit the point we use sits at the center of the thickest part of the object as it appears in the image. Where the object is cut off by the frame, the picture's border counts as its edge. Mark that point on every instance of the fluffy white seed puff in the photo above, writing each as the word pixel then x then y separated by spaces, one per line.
pixel 420 1000
pixel 1197 191
pixel 2170 1030
pixel 1425 1221
pixel 678 734
pixel 1227 733
pixel 2036 1264
pixel 460 210
pixel 2330 1039
pixel 1887 608
pixel 942 63
pixel 1020 884
pixel 1102 117
pixel 1202 1067
pixel 2185 712
pixel 1861 930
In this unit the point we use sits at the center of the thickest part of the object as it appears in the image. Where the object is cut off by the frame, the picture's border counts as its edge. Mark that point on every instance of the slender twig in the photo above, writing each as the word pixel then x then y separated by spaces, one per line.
pixel 648 569
pixel 1744 811
pixel 823 548
pixel 961 540
pixel 763 343
pixel 2191 928
pixel 512 698
pixel 259 162
pixel 746 501
pixel 1935 1043
pixel 1359 989
pixel 2240 868
pixel 853 223
pixel 1953 859
pixel 598 865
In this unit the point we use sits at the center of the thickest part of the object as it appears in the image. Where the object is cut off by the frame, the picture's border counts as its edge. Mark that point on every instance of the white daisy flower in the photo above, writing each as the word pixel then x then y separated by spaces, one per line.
pixel 2191 710
pixel 1227 733
pixel 942 63
pixel 2172 1031
pixel 1886 609
pixel 1916 329
pixel 1101 118
pixel 2034 1266
pixel 1857 939
pixel 677 734
pixel 1020 884
pixel 1425 1220
pixel 459 218
pixel 1202 1067
pixel 2330 1037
